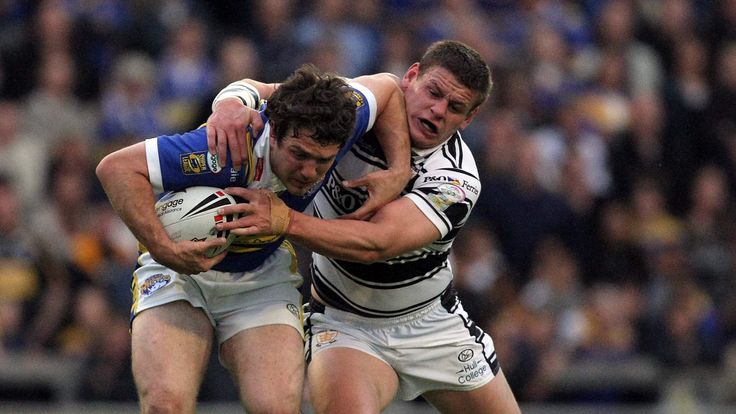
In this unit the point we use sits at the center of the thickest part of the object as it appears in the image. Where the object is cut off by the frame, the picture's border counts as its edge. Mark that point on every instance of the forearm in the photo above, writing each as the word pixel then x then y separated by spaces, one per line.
pixel 352 240
pixel 248 91
pixel 397 228
pixel 392 133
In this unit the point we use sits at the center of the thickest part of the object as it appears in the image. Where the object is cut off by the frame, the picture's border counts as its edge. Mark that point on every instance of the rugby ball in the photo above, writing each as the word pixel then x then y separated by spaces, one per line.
pixel 191 214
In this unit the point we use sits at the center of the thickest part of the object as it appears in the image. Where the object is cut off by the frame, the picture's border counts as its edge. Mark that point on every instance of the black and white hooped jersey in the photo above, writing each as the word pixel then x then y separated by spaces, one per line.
pixel 445 187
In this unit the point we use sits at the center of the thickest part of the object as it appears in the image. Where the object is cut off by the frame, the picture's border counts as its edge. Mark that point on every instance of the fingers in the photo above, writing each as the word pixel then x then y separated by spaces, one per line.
pixel 246 194
pixel 211 139
pixel 236 145
pixel 212 243
pixel 217 143
pixel 364 212
pixel 246 231
pixel 358 182
pixel 211 262
pixel 257 124
pixel 222 143
pixel 191 257
pixel 243 150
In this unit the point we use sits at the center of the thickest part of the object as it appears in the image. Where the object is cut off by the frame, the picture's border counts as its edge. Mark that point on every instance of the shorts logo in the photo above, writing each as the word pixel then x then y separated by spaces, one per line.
pixel 465 355
pixel 293 309
pixel 155 283
pixel 326 337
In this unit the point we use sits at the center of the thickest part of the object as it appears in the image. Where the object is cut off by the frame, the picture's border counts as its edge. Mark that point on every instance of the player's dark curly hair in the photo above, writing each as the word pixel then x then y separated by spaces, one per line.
pixel 464 62
pixel 315 103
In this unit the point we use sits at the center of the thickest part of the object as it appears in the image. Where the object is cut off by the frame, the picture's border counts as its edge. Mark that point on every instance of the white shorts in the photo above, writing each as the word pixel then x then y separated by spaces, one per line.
pixel 233 302
pixel 436 348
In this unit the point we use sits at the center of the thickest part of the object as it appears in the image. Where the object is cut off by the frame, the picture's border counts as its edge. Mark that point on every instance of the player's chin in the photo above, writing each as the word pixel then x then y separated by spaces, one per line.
pixel 298 188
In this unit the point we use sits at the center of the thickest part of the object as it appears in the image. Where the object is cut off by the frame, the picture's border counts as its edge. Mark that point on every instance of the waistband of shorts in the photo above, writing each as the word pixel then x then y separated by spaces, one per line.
pixel 319 307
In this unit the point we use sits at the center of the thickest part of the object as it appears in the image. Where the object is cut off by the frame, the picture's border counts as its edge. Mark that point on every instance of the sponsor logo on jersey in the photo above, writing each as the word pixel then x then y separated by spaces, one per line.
pixel 194 163
pixel 444 178
pixel 347 200
pixel 325 338
pixel 452 180
pixel 446 195
pixel 154 283
pixel 234 174
pixel 213 163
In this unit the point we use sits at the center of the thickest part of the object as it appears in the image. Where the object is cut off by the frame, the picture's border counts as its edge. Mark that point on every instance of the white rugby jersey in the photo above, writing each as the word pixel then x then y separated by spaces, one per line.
pixel 445 187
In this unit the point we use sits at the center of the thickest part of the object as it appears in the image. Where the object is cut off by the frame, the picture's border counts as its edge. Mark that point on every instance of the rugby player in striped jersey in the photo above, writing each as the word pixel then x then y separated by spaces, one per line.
pixel 384 319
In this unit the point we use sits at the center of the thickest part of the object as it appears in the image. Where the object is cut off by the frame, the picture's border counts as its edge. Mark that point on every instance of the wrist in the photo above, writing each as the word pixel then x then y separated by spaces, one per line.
pixel 289 222
pixel 403 172
pixel 161 247
pixel 227 100
pixel 245 93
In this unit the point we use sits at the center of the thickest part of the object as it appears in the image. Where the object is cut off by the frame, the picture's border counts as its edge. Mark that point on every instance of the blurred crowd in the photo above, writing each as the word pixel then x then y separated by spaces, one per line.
pixel 605 229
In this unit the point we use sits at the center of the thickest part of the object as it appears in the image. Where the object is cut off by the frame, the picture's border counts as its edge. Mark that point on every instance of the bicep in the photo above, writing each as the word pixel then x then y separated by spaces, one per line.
pixel 128 160
pixel 384 86
pixel 404 227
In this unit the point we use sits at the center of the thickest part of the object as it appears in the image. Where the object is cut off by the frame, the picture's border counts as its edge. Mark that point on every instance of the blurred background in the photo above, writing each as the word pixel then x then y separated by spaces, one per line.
pixel 600 256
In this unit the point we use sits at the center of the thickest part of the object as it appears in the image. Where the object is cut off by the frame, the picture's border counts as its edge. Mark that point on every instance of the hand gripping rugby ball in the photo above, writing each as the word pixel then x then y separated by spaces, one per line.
pixel 191 214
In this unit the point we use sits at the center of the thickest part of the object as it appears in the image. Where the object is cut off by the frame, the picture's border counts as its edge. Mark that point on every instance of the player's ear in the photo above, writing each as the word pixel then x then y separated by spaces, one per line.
pixel 469 118
pixel 411 74
pixel 272 135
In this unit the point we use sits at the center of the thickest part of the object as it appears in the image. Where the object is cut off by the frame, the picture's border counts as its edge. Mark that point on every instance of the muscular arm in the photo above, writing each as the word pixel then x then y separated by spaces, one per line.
pixel 392 132
pixel 397 228
pixel 124 176
pixel 225 129
pixel 391 127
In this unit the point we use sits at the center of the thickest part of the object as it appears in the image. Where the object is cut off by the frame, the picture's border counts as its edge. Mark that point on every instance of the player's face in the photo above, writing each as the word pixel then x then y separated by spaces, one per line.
pixel 437 105
pixel 300 162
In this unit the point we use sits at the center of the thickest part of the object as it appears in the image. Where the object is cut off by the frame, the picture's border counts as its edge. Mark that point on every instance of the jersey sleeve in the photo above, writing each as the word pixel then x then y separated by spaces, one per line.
pixel 366 107
pixel 446 200
pixel 182 160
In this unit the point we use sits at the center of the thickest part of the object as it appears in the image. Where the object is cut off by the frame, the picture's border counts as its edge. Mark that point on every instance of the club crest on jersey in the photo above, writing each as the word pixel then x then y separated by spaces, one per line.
pixel 358 99
pixel 446 195
pixel 154 283
pixel 325 338
pixel 196 163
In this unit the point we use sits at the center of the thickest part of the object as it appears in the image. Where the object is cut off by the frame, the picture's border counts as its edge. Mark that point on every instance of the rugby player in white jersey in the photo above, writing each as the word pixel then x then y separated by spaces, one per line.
pixel 248 299
pixel 384 319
